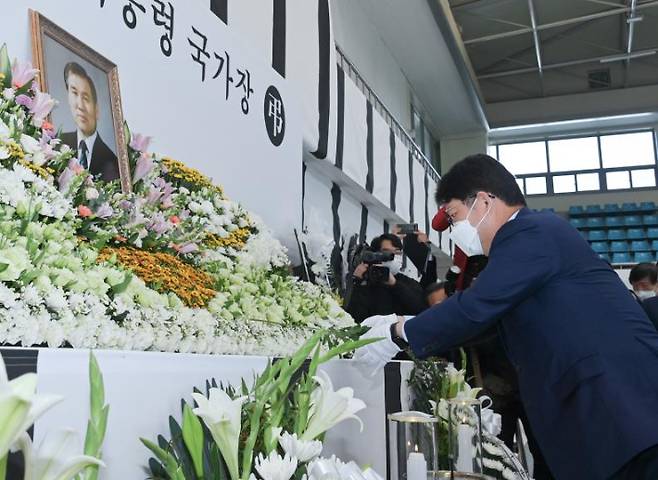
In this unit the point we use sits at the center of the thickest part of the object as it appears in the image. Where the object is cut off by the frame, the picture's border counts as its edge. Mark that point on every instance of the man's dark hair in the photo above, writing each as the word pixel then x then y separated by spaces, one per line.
pixel 479 173
pixel 643 271
pixel 434 287
pixel 376 243
pixel 74 68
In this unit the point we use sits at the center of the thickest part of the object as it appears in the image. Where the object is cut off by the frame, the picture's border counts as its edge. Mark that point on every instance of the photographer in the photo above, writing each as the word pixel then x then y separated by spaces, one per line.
pixel 379 288
pixel 416 248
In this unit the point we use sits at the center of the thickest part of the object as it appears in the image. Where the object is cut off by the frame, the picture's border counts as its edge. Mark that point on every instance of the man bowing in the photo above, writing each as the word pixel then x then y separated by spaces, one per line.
pixel 585 352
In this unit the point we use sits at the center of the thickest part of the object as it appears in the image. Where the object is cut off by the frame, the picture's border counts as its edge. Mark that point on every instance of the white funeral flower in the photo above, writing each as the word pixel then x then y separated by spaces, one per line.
pixel 57 457
pixel 304 451
pixel 8 94
pixel 329 407
pixel 274 467
pixel 20 406
pixel 222 415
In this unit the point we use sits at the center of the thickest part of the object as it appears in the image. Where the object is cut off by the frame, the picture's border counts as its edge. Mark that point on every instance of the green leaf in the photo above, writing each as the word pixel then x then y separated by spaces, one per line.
pixel 193 438
pixel 5 66
pixel 179 448
pixel 119 288
pixel 3 267
pixel 167 459
pixel 3 465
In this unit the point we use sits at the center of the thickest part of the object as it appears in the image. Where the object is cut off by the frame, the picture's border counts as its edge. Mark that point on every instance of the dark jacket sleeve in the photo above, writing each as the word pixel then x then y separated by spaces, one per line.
pixel 359 303
pixel 522 260
pixel 651 307
pixel 409 295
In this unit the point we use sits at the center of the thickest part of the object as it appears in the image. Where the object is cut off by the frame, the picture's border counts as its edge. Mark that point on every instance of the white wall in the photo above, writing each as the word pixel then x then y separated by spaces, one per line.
pixel 453 149
pixel 362 44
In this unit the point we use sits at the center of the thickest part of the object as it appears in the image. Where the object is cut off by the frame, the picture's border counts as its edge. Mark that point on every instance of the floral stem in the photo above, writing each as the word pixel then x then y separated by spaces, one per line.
pixel 3 467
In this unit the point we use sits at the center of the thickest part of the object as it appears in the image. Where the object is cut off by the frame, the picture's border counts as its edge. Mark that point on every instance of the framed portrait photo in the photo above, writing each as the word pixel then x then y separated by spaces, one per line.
pixel 86 87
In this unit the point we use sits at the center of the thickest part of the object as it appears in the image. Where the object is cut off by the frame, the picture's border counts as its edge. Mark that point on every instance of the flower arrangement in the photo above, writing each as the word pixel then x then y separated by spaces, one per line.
pixel 434 382
pixel 57 457
pixel 271 431
pixel 172 265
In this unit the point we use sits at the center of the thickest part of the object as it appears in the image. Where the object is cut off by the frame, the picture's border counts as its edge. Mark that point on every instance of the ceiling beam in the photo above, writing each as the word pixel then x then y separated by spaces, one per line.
pixel 535 37
pixel 570 63
pixel 561 23
pixel 631 31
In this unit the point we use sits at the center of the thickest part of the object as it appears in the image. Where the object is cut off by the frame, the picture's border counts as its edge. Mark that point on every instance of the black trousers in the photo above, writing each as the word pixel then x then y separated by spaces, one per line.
pixel 642 467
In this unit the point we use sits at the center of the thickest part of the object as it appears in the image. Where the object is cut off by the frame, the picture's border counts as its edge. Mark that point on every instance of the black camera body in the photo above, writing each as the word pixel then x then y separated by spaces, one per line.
pixel 377 274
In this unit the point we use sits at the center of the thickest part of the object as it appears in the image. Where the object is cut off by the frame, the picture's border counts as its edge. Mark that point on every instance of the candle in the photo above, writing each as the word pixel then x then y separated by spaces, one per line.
pixel 465 446
pixel 416 466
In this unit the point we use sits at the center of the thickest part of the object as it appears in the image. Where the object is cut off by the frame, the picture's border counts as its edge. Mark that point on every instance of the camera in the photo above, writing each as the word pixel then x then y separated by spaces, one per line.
pixel 407 228
pixel 377 274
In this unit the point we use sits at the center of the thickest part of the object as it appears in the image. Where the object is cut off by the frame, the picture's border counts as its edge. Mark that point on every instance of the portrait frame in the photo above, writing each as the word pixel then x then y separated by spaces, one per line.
pixel 43 28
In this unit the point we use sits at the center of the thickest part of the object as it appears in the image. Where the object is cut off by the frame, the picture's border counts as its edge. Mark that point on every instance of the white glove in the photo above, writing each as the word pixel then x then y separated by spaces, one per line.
pixel 376 355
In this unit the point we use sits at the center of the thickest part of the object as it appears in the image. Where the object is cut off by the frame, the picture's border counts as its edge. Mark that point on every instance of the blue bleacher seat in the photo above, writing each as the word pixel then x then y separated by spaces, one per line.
pixel 648 206
pixel 633 221
pixel 644 257
pixel 549 210
pixel 630 207
pixel 654 245
pixel 600 247
pixel 576 210
pixel 614 221
pixel 636 234
pixel 605 256
pixel 616 234
pixel 650 220
pixel 621 258
pixel 594 222
pixel 611 208
pixel 598 236
pixel 593 210
pixel 619 247
pixel 640 246
pixel 577 222
pixel 652 233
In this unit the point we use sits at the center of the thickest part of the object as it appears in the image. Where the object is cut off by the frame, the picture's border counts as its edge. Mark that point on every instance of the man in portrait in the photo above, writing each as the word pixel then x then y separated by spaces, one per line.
pixel 93 153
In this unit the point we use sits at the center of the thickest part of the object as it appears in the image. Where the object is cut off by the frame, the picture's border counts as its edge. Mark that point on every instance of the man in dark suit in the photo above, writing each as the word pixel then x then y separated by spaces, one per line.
pixel 93 153
pixel 585 353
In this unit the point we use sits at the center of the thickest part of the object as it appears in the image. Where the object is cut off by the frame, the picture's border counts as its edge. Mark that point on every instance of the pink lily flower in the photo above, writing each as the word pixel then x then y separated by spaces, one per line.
pixel 22 73
pixel 140 142
pixel 42 105
pixel 143 167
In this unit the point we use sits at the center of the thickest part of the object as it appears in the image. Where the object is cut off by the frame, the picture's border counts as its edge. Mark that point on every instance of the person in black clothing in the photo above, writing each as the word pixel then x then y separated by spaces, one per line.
pixel 416 248
pixel 399 294
pixel 643 278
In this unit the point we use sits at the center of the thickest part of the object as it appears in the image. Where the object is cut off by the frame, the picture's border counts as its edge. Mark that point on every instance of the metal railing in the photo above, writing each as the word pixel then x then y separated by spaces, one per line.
pixel 351 71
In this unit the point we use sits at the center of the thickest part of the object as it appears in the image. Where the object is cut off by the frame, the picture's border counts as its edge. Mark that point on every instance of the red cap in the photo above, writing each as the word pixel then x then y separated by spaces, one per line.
pixel 441 220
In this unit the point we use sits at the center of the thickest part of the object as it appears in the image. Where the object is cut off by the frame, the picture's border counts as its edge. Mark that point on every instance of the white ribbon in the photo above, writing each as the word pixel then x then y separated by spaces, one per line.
pixel 492 422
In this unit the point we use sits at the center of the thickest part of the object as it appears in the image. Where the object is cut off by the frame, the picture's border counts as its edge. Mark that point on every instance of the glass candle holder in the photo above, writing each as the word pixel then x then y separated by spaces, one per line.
pixel 465 435
pixel 413 445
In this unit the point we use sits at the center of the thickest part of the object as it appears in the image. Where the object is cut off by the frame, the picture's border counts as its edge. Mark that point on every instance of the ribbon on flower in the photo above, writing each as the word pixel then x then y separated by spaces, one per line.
pixel 492 422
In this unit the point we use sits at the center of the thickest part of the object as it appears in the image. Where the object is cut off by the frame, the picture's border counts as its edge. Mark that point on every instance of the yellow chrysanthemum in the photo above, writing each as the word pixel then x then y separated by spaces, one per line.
pixel 237 239
pixel 43 172
pixel 188 177
pixel 165 273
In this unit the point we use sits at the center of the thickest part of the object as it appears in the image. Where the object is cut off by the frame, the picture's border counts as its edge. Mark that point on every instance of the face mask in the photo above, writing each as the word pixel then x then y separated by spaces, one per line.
pixel 394 265
pixel 466 235
pixel 644 294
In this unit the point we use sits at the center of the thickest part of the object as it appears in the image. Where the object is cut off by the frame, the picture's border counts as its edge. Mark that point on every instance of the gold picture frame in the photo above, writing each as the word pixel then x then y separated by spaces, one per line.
pixel 46 36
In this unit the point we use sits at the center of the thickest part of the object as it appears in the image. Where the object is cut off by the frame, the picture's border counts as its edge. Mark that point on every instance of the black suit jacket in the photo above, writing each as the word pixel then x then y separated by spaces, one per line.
pixel 650 306
pixel 104 163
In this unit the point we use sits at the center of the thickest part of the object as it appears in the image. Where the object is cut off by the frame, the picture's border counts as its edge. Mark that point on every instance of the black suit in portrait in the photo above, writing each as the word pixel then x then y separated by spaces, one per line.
pixel 104 163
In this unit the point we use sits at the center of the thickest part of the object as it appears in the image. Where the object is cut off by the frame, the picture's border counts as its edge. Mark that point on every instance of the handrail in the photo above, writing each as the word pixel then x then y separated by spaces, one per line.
pixel 388 116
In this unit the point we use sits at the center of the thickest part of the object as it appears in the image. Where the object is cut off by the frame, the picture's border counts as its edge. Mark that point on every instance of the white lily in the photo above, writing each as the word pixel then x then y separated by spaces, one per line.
pixel 274 467
pixel 56 458
pixel 222 415
pixel 20 406
pixel 329 407
pixel 304 451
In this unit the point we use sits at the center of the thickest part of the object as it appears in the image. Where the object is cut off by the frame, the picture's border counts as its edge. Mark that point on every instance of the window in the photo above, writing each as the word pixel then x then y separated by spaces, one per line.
pixel 574 154
pixel 535 185
pixel 564 184
pixel 618 180
pixel 581 164
pixel 523 158
pixel 627 150
pixel 588 182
